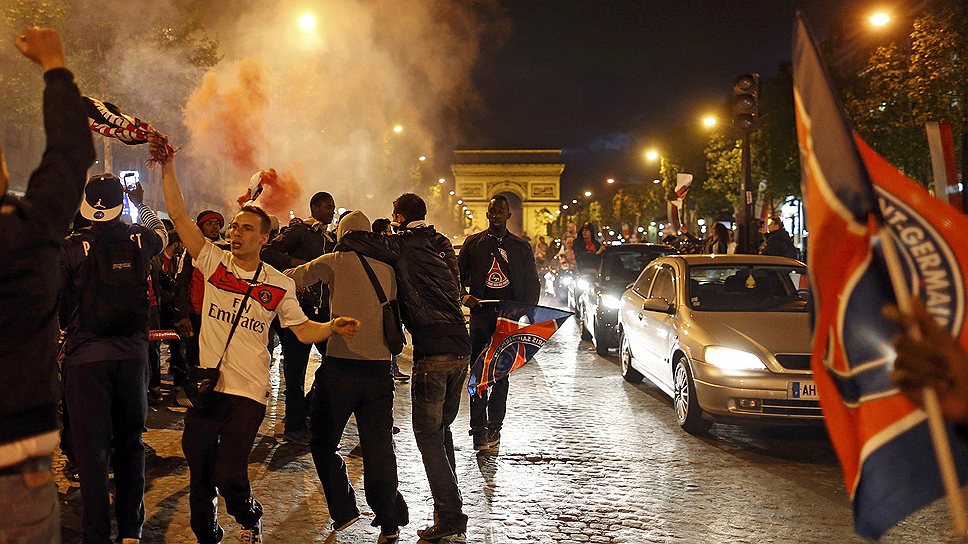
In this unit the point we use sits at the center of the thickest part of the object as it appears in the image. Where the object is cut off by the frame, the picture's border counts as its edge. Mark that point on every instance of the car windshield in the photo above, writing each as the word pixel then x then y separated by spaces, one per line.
pixel 624 266
pixel 748 288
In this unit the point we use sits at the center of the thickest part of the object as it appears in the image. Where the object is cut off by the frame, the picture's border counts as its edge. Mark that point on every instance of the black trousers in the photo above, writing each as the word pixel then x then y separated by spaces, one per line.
pixel 191 343
pixel 216 442
pixel 364 388
pixel 487 409
pixel 108 403
pixel 295 360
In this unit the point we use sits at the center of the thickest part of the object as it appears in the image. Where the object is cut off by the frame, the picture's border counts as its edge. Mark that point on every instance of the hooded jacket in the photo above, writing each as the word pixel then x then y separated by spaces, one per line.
pixel 428 284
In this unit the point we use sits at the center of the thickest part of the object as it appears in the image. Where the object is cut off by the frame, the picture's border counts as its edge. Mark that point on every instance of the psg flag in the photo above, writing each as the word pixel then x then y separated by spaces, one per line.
pixel 108 120
pixel 882 440
pixel 522 329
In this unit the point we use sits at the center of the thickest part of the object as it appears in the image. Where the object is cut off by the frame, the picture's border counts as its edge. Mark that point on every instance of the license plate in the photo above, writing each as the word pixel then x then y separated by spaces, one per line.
pixel 802 391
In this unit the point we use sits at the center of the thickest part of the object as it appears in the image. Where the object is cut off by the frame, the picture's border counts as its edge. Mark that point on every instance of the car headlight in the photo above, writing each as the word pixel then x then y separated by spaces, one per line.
pixel 611 302
pixel 583 284
pixel 733 359
pixel 566 280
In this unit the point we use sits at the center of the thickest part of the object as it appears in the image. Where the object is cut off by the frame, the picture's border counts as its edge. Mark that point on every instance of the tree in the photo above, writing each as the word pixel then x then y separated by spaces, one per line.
pixel 905 85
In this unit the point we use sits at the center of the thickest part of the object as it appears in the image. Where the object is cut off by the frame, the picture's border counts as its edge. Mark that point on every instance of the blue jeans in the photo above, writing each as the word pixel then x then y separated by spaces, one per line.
pixel 28 513
pixel 436 396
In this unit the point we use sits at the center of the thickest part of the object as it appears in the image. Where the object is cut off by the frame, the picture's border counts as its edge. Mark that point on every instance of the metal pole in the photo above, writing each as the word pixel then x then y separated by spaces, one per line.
pixel 746 199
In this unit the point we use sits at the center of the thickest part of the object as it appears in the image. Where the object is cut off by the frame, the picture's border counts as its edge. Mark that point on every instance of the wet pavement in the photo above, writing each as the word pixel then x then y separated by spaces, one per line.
pixel 585 457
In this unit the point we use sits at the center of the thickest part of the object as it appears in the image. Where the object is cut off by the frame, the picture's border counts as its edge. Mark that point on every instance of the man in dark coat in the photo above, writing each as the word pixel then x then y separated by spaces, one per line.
pixel 777 241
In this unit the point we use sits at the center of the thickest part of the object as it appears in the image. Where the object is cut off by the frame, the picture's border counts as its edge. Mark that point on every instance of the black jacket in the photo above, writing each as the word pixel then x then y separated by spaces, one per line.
pixel 780 244
pixel 428 285
pixel 30 243
pixel 475 261
pixel 306 242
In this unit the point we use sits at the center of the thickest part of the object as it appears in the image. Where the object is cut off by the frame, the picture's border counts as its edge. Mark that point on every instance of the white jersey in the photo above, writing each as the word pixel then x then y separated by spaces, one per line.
pixel 245 369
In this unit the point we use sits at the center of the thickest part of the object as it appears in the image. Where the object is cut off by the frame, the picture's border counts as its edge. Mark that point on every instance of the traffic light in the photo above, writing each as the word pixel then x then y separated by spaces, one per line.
pixel 746 97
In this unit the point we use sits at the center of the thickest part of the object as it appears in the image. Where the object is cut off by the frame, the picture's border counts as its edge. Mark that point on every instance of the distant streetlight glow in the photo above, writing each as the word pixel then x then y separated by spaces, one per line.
pixel 307 22
pixel 879 19
pixel 398 128
pixel 657 181
pixel 565 207
pixel 709 121
pixel 574 201
pixel 588 193
pixel 610 181
pixel 422 158
pixel 452 193
pixel 441 181
pixel 651 155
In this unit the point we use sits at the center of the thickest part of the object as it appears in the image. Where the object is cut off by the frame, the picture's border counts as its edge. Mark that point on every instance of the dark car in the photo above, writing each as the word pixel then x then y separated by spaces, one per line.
pixel 600 294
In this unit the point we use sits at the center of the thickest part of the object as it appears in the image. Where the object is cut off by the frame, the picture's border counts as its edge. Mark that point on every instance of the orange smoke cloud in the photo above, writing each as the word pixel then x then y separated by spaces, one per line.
pixel 278 194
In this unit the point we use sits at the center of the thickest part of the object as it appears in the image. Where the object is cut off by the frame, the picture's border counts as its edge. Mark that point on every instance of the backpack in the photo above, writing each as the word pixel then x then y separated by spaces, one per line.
pixel 114 297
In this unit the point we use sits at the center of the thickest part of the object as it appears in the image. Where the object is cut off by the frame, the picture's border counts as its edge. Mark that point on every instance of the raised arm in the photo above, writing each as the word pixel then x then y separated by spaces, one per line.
pixel 187 229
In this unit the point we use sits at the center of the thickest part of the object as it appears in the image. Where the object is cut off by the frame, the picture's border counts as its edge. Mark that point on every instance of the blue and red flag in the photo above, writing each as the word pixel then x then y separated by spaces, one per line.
pixel 522 329
pixel 850 192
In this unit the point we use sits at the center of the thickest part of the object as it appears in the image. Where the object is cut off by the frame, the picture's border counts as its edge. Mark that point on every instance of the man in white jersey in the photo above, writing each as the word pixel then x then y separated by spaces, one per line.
pixel 219 436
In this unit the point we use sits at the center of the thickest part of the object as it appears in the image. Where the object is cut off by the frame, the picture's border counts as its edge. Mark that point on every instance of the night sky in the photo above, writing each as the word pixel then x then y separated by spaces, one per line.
pixel 604 79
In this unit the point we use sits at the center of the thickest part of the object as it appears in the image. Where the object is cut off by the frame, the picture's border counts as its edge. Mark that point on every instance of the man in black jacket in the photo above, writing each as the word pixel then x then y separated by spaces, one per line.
pixel 777 241
pixel 300 244
pixel 428 287
pixel 494 265
pixel 31 232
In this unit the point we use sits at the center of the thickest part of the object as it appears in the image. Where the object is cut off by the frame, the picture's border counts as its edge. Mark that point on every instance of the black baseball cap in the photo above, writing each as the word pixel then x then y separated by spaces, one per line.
pixel 103 198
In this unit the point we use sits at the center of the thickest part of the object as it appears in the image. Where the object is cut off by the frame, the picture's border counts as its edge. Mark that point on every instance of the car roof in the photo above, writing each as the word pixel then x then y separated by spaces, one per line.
pixel 639 247
pixel 701 260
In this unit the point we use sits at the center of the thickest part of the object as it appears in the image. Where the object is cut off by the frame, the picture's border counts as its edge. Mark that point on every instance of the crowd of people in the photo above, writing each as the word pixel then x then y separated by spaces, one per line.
pixel 228 287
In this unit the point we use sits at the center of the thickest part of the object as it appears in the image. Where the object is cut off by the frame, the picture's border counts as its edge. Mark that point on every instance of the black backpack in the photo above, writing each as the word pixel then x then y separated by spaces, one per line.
pixel 114 296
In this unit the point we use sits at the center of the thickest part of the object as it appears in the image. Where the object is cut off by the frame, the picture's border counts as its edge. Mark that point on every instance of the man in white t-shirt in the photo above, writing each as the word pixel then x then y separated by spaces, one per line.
pixel 219 436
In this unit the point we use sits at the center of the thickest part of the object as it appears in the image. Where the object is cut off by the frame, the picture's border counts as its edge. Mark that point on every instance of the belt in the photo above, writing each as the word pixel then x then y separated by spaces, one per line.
pixel 442 357
pixel 40 463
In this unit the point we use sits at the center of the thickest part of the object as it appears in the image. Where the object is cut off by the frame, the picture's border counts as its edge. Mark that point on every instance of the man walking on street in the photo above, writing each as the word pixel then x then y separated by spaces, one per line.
pixel 300 244
pixel 106 372
pixel 429 284
pixel 355 379
pixel 494 265
pixel 242 296
pixel 32 229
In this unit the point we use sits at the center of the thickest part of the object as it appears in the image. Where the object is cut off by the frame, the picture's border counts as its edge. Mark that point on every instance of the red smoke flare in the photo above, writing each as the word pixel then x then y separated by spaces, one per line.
pixel 278 192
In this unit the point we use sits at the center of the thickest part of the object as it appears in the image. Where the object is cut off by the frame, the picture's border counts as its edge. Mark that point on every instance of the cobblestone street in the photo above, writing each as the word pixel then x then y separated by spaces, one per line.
pixel 585 457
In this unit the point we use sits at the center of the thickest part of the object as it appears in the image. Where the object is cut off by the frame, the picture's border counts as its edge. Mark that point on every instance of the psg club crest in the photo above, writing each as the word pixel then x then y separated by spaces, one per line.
pixel 496 279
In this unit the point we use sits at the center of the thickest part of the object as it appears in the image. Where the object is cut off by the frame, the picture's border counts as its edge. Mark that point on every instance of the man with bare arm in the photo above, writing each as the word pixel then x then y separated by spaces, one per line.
pixel 219 435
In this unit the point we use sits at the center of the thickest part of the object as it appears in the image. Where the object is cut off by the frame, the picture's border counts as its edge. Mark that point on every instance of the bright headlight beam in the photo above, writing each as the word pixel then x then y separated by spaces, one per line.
pixel 611 302
pixel 733 359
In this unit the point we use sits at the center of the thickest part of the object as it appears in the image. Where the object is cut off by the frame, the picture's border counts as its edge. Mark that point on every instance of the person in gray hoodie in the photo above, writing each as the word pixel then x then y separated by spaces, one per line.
pixel 355 379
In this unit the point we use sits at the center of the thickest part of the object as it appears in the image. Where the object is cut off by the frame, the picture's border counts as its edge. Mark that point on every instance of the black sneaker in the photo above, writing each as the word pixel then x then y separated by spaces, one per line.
pixel 297 437
pixel 439 531
pixel 388 535
pixel 493 439
pixel 480 442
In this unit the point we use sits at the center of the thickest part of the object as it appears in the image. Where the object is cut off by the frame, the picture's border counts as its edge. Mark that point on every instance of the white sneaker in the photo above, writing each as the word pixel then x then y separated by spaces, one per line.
pixel 252 535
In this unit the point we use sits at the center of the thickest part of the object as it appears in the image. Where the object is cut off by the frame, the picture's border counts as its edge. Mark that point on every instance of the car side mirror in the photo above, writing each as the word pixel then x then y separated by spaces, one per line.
pixel 658 305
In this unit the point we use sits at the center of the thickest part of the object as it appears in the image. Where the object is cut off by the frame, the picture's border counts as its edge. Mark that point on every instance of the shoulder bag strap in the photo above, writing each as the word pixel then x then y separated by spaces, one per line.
pixel 238 315
pixel 373 279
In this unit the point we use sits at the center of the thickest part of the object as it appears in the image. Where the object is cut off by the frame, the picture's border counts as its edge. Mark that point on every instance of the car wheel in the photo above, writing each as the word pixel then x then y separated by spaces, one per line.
pixel 625 354
pixel 684 400
pixel 582 326
pixel 601 344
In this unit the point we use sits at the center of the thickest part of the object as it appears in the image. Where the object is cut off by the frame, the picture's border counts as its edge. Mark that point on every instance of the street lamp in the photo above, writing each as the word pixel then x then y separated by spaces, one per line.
pixel 441 181
pixel 879 19
pixel 588 194
pixel 657 181
pixel 651 155
pixel 422 158
pixel 610 181
pixel 709 121
pixel 307 22
pixel 398 129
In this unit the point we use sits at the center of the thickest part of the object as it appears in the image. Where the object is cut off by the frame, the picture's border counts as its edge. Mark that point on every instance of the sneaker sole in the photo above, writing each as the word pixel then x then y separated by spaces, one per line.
pixel 346 524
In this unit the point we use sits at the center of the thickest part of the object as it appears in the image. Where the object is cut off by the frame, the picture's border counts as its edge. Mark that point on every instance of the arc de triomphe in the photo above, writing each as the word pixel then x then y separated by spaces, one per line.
pixel 529 178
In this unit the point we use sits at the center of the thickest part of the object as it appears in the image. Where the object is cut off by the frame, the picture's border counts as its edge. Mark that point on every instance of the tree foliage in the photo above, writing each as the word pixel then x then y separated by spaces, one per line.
pixel 904 85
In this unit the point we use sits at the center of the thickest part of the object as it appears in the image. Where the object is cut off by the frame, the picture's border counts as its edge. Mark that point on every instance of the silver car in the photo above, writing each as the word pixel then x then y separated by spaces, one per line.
pixel 726 336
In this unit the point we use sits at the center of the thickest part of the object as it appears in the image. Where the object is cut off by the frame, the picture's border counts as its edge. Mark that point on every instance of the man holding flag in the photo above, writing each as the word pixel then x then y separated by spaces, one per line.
pixel 862 205
pixel 494 265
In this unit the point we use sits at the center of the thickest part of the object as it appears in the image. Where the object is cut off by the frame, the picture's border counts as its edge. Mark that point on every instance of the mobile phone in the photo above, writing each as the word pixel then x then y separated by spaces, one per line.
pixel 129 176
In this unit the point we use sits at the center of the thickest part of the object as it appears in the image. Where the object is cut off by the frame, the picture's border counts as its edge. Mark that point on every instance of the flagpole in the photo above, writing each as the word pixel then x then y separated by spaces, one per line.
pixel 939 435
